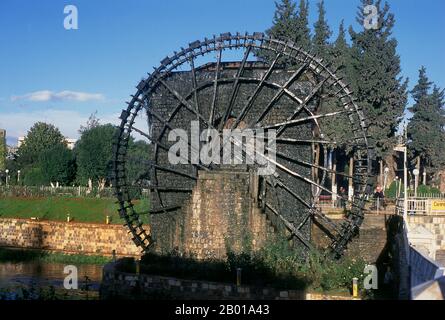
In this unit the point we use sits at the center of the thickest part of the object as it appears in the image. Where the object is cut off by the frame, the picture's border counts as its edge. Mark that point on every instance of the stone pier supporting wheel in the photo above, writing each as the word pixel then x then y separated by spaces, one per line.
pixel 198 84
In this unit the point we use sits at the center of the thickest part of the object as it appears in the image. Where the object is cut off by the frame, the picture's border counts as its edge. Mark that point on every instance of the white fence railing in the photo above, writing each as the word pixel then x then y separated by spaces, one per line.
pixel 79 191
pixel 423 206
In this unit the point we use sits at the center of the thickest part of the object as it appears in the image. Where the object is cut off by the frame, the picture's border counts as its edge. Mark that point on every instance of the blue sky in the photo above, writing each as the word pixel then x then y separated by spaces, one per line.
pixel 96 67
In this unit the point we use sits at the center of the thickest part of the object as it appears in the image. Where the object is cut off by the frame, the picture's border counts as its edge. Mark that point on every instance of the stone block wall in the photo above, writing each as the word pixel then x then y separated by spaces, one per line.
pixel 220 216
pixel 121 285
pixel 427 234
pixel 134 286
pixel 69 237
pixel 369 244
pixel 434 224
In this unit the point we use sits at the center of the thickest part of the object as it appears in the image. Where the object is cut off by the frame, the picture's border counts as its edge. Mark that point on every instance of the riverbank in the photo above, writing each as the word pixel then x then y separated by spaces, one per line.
pixel 67 237
pixel 14 255
pixel 41 280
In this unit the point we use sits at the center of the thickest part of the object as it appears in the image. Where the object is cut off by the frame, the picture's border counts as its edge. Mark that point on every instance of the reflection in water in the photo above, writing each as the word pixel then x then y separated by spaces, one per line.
pixel 31 280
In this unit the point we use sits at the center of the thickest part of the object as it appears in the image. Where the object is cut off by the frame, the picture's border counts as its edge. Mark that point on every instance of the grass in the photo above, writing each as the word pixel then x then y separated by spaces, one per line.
pixel 57 208
pixel 22 255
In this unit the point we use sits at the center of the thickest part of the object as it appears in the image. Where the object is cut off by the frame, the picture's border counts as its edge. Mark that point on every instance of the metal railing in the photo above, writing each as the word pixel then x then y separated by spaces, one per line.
pixel 430 195
pixel 420 206
pixel 372 204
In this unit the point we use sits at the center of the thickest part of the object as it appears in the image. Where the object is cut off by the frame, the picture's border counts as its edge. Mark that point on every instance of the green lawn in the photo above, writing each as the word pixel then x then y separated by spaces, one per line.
pixel 57 208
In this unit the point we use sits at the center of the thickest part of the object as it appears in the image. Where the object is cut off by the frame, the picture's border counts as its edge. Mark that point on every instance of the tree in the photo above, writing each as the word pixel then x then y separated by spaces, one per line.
pixel 426 127
pixel 94 154
pixel 92 122
pixel 34 177
pixel 322 34
pixel 284 26
pixel 58 165
pixel 341 53
pixel 303 33
pixel 3 150
pixel 288 25
pixel 334 128
pixel 138 153
pixel 40 138
pixel 375 78
pixel 323 49
pixel 337 128
pixel 12 166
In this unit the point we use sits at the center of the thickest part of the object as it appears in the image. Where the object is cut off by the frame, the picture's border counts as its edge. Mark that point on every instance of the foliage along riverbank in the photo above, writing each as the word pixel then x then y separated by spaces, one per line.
pixel 21 255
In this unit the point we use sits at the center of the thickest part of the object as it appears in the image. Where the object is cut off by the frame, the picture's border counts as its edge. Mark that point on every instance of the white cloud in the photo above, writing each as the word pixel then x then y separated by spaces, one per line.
pixel 17 124
pixel 47 95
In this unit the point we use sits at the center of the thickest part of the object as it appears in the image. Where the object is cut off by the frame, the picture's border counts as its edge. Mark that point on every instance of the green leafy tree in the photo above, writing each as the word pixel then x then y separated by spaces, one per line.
pixel 41 137
pixel 13 167
pixel 426 127
pixel 376 80
pixel 137 159
pixel 93 121
pixel 34 177
pixel 58 165
pixel 94 154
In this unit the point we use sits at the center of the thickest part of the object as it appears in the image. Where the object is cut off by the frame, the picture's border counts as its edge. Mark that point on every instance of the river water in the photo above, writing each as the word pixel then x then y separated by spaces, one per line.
pixel 43 280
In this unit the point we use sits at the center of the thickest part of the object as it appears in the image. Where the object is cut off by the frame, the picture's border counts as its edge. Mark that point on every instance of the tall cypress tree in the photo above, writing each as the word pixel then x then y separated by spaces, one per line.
pixel 303 33
pixel 289 24
pixel 375 77
pixel 340 53
pixel 426 127
pixel 284 26
pixel 284 21
pixel 337 128
pixel 320 42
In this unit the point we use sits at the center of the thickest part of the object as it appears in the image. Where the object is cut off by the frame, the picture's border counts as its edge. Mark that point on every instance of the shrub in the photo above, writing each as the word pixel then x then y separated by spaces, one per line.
pixel 34 177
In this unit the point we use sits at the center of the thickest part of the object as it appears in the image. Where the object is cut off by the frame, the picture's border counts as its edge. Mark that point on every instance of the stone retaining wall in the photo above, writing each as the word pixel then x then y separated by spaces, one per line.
pixel 369 244
pixel 70 237
pixel 427 234
pixel 434 224
pixel 116 284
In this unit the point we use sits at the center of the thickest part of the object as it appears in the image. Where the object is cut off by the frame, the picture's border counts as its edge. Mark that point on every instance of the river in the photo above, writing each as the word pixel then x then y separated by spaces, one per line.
pixel 44 280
